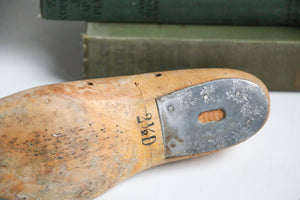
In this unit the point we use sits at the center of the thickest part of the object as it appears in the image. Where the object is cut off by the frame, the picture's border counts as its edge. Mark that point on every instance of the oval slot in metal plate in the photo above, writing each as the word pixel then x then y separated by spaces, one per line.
pixel 244 104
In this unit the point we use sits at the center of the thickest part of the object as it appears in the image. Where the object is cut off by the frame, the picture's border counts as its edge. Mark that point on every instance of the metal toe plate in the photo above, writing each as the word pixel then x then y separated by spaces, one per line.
pixel 243 102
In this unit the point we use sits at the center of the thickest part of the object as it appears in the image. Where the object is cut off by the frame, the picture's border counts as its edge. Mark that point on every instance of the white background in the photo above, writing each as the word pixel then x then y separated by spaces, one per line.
pixel 34 52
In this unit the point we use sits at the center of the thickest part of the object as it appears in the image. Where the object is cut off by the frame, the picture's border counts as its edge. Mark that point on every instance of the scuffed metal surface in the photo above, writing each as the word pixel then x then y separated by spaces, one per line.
pixel 245 106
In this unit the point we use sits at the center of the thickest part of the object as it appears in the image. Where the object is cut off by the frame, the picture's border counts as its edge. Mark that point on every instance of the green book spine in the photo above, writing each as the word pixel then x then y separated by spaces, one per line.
pixel 234 12
pixel 270 53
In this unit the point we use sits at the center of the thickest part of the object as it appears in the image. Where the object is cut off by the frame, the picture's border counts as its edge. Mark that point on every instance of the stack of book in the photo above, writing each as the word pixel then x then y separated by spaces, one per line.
pixel 126 37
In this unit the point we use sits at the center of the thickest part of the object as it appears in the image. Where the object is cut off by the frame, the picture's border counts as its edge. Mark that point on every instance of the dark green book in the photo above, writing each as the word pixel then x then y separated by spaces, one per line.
pixel 230 12
pixel 270 53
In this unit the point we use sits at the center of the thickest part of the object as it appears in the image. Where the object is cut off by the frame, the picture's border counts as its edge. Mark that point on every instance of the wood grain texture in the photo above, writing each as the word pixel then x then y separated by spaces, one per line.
pixel 76 140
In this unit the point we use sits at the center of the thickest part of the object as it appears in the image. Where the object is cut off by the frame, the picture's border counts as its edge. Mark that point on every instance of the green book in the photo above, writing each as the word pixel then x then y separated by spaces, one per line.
pixel 270 53
pixel 205 12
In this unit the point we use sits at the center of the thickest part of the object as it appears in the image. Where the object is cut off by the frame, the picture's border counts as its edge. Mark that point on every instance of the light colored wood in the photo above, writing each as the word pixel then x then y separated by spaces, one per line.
pixel 210 116
pixel 76 140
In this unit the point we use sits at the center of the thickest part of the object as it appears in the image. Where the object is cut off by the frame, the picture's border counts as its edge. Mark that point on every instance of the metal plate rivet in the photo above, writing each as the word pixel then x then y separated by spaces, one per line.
pixel 171 108
pixel 238 93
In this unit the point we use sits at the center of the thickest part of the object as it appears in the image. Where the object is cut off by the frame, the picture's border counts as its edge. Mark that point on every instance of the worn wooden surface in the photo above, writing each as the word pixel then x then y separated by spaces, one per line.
pixel 76 140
